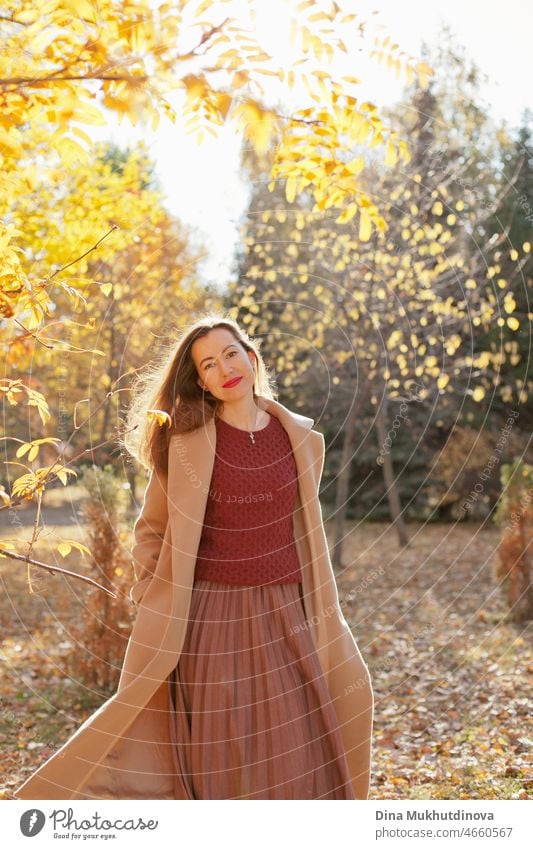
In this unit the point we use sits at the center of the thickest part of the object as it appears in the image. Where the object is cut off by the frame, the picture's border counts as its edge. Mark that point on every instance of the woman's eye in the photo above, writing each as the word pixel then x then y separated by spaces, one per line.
pixel 229 355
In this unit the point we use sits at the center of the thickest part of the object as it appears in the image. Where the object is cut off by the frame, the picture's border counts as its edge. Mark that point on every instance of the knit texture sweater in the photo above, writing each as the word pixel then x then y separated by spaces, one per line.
pixel 248 535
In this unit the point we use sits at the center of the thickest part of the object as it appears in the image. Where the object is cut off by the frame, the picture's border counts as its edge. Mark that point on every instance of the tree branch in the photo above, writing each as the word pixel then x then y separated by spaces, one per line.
pixel 94 247
pixel 25 559
pixel 11 20
pixel 36 81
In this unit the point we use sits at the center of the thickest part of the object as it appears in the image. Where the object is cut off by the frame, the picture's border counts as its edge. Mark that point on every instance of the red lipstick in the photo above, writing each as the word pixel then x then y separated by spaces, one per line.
pixel 231 383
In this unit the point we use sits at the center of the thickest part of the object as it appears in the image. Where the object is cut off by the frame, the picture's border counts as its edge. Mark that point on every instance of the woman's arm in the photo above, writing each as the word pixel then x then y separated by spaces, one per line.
pixel 149 533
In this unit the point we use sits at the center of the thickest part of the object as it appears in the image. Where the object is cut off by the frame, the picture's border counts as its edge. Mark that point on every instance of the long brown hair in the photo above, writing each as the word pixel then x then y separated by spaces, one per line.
pixel 170 384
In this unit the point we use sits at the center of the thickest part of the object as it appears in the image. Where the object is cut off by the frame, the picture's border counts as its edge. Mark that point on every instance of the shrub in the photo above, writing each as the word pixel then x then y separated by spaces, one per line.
pixel 514 513
pixel 104 628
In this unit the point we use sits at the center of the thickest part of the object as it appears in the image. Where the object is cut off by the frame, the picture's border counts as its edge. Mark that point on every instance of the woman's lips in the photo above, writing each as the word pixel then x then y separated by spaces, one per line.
pixel 232 383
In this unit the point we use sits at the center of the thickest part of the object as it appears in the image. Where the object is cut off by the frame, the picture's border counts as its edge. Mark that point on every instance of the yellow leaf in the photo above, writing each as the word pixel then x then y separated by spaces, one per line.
pixel 347 214
pixel 82 135
pixel 365 226
pixel 259 131
pixel 390 154
pixel 25 485
pixel 478 394
pixel 290 189
pixel 424 72
pixel 205 4
pixel 71 152
pixel 267 72
pixel 160 415
pixel 106 288
pixel 509 304
pixel 27 16
pixel 88 113
pixel 83 8
pixel 513 323
pixel 66 546
pixel 24 448
pixel 224 102
pixel 62 475
pixel 355 166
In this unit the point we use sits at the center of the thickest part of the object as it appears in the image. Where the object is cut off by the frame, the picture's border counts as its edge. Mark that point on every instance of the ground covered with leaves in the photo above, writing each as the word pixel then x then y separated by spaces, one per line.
pixel 451 674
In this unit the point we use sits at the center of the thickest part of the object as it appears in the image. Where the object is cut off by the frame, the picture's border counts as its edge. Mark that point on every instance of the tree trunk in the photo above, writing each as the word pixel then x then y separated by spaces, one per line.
pixel 343 478
pixel 113 374
pixel 393 495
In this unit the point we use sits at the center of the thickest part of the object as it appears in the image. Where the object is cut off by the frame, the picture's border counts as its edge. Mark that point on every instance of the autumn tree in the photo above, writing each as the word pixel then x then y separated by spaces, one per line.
pixel 509 255
pixel 65 62
pixel 389 317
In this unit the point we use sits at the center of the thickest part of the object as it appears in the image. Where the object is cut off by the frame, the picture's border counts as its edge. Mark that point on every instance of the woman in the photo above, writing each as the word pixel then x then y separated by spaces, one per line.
pixel 241 679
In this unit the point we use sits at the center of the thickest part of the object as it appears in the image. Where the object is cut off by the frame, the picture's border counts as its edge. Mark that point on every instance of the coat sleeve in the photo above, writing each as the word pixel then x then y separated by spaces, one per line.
pixel 149 533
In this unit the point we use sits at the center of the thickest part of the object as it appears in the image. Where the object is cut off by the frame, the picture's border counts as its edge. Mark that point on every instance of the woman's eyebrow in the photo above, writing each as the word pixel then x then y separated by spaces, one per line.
pixel 222 351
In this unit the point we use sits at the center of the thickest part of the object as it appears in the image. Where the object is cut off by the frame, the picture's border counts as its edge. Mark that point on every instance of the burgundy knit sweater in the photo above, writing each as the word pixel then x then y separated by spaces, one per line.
pixel 247 536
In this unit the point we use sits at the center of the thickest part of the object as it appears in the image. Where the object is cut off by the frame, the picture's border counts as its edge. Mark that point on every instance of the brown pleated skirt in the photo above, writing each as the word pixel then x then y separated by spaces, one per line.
pixel 251 715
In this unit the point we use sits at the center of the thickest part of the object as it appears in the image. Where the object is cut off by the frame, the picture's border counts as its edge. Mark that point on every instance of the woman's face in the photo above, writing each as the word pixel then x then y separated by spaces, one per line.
pixel 219 358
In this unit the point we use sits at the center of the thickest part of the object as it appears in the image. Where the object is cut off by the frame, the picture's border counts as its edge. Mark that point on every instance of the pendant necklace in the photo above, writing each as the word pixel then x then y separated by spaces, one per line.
pixel 250 432
pixel 252 437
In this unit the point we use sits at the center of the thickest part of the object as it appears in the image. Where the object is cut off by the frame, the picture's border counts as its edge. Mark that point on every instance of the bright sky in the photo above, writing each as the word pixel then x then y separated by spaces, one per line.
pixel 201 182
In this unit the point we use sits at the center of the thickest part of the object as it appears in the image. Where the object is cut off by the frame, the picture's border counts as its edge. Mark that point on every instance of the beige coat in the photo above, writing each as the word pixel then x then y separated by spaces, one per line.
pixel 122 751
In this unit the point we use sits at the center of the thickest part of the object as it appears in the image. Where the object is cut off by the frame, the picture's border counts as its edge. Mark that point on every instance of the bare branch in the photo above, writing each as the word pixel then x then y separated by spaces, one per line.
pixel 94 247
pixel 12 20
pixel 35 81
pixel 53 569
pixel 205 37
pixel 28 332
